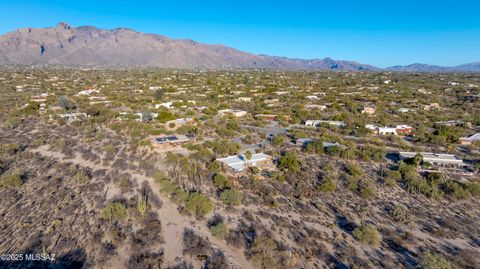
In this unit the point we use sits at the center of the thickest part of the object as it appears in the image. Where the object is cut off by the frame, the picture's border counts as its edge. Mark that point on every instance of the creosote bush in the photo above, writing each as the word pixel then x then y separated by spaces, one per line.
pixel 198 204
pixel 367 234
pixel 114 211
pixel 231 197
pixel 222 182
pixel 328 184
pixel 264 251
pixel 432 261
pixel 220 230
pixel 11 181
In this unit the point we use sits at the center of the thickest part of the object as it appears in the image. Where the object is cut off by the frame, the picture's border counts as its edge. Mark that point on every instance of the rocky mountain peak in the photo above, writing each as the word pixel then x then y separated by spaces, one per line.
pixel 62 26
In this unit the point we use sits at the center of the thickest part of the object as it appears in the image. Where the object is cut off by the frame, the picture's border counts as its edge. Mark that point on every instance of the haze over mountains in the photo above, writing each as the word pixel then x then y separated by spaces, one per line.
pixel 89 46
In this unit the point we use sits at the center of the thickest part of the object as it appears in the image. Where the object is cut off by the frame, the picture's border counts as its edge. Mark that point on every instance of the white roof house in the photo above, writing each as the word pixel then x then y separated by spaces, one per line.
pixel 433 158
pixel 368 110
pixel 245 99
pixel 165 104
pixel 238 162
pixel 87 92
pixel 396 130
pixel 313 106
pixel 387 130
pixel 470 140
pixel 318 122
pixel 70 116
pixel 235 112
pixel 142 114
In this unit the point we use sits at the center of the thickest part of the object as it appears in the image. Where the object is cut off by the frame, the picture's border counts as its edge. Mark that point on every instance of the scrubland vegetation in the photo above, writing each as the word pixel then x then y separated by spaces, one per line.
pixel 99 192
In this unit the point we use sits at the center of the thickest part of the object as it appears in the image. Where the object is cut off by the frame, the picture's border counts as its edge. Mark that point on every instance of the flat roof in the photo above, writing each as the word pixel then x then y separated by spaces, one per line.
pixel 237 162
pixel 433 157
pixel 171 139
pixel 473 137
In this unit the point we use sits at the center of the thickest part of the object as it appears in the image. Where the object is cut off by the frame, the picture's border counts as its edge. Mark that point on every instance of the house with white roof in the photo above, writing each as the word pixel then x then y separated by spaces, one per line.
pixel 368 110
pixel 87 92
pixel 396 130
pixel 314 106
pixel 238 163
pixel 436 159
pixel 470 140
pixel 146 116
pixel 165 104
pixel 233 112
pixel 70 116
pixel 319 122
pixel 245 99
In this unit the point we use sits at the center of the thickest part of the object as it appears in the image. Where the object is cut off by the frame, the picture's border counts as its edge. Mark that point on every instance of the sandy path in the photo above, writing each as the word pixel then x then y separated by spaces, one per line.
pixel 173 223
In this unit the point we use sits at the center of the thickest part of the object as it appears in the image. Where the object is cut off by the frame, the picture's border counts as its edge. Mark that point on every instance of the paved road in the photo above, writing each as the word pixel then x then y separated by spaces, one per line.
pixel 269 129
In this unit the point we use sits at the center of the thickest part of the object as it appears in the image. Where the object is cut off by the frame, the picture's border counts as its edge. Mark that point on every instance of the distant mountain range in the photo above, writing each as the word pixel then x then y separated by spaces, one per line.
pixel 471 67
pixel 64 45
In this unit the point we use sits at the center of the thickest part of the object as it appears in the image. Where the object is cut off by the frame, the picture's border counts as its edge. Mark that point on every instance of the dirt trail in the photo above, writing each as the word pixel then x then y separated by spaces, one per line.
pixel 173 223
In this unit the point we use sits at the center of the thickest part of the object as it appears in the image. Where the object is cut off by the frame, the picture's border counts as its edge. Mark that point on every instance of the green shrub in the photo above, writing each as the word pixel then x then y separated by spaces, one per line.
pixel 231 197
pixel 474 188
pixel 277 140
pixel 432 261
pixel 114 211
pixel 367 234
pixel 198 204
pixel 166 185
pixel 315 147
pixel 179 195
pixel 400 214
pixel 352 182
pixel 222 182
pixel 223 147
pixel 328 184
pixel 366 189
pixel 289 162
pixel 9 149
pixel 12 122
pixel 142 206
pixel 457 190
pixel 215 167
pixel 393 176
pixel 164 116
pixel 354 170
pixel 81 177
pixel 11 181
pixel 220 230
pixel 264 250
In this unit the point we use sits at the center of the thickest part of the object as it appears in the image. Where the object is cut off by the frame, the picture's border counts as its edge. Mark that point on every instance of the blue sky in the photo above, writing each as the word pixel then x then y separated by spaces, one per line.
pixel 380 33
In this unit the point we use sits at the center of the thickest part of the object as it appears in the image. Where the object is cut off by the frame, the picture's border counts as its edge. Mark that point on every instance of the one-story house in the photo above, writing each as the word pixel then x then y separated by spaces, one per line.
pixel 397 130
pixel 319 122
pixel 436 159
pixel 470 140
pixel 70 116
pixel 171 140
pixel 238 163
pixel 234 112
